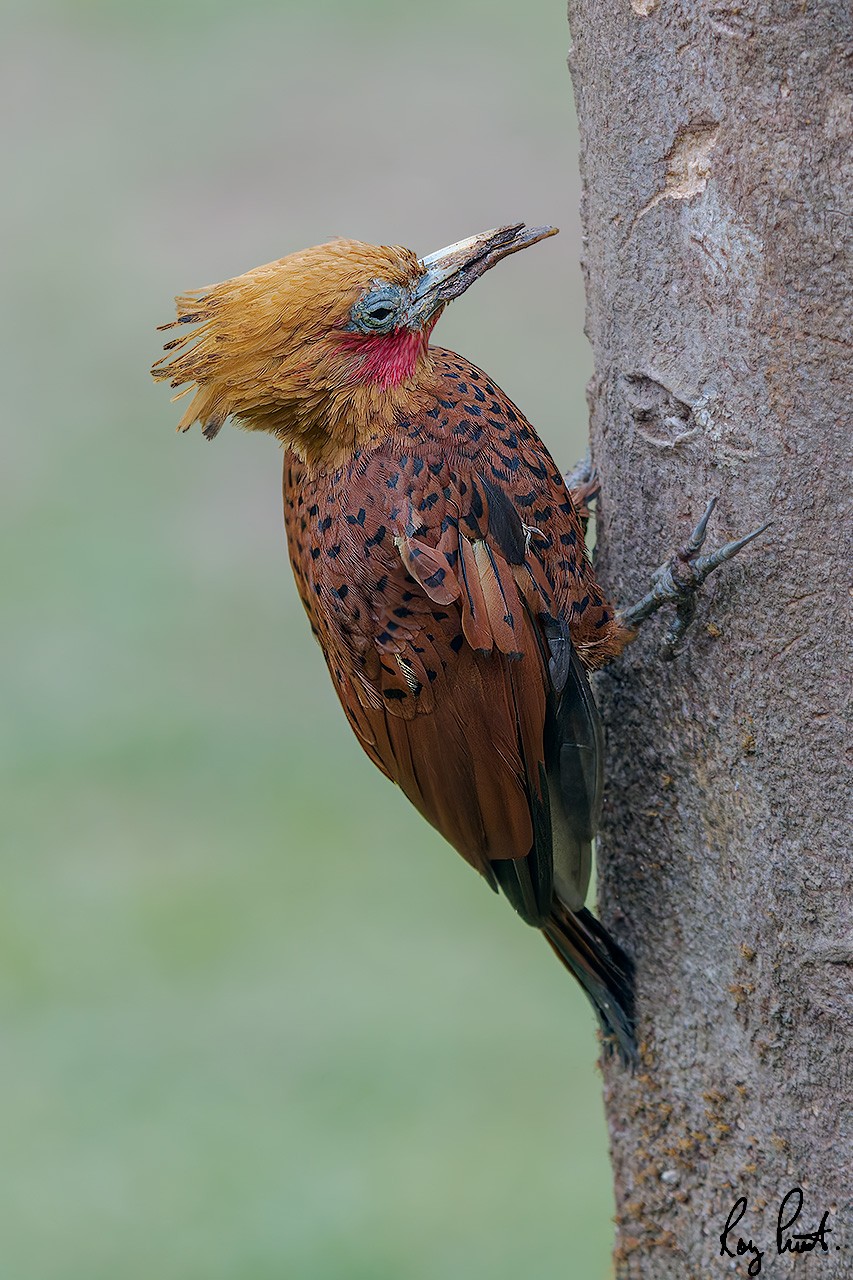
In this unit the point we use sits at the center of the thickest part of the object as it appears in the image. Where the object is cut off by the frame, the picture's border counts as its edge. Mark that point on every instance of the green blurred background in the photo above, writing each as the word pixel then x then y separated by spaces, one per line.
pixel 256 1019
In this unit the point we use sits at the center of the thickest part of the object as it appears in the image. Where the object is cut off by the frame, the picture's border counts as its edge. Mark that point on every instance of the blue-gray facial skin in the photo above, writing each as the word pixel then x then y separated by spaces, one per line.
pixel 381 310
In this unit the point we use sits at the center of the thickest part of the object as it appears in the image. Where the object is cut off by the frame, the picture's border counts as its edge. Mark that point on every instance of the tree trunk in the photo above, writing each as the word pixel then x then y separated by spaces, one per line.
pixel 717 158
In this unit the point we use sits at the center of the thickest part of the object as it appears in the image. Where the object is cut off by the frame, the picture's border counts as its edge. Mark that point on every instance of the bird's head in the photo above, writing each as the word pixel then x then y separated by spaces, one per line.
pixel 326 348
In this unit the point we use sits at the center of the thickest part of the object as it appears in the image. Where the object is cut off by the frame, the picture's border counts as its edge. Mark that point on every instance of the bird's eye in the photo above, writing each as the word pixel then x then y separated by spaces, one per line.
pixel 380 309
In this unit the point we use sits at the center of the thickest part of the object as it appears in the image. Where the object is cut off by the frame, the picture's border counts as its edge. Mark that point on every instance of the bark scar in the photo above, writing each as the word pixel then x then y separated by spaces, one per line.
pixel 688 166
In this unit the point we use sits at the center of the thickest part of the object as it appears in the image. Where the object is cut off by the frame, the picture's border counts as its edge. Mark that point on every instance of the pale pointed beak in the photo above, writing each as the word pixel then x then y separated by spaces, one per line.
pixel 450 271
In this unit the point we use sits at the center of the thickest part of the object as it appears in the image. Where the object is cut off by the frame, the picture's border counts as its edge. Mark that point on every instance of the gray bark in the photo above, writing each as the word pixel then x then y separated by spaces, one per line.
pixel 717 159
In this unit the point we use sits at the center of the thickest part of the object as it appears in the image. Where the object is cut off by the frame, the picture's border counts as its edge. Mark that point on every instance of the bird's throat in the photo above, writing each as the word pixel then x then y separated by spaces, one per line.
pixel 383 387
pixel 372 383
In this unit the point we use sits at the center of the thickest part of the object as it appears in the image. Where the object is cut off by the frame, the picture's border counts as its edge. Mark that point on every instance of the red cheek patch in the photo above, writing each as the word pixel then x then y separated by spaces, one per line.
pixel 386 359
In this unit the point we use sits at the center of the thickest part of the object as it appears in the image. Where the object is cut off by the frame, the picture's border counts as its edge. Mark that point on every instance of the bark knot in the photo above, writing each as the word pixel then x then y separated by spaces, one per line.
pixel 661 417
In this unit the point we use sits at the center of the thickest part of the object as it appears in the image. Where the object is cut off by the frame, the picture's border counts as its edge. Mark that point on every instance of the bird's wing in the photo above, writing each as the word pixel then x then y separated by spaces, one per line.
pixel 451 654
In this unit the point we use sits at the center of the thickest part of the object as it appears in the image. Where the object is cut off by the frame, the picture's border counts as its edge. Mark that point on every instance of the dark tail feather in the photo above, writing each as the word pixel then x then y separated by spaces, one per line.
pixel 604 971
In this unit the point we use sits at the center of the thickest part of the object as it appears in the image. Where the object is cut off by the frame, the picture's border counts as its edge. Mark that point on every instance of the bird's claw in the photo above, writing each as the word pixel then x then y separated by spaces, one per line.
pixel 583 485
pixel 677 582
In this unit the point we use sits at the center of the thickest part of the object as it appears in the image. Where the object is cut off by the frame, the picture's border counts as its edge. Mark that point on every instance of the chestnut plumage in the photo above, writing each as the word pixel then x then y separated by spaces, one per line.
pixel 440 559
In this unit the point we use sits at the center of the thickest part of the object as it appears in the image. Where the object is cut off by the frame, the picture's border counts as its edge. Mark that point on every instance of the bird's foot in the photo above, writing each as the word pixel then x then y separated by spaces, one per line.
pixel 677 582
pixel 583 485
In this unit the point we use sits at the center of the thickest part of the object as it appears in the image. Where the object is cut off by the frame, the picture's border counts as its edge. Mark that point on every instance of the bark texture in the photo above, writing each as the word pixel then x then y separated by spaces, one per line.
pixel 717 158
